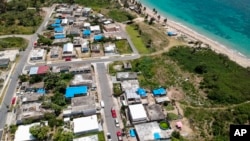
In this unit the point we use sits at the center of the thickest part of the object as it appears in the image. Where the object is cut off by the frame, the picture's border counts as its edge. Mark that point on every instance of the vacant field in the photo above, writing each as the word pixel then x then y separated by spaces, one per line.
pixel 123 47
pixel 120 15
pixel 13 42
pixel 137 40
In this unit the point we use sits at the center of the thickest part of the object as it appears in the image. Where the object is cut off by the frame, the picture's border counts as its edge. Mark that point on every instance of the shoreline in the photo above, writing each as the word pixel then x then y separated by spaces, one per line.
pixel 217 47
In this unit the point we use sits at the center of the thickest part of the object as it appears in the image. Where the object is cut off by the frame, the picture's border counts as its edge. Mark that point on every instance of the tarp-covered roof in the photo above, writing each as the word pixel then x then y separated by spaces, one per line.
pixel 72 91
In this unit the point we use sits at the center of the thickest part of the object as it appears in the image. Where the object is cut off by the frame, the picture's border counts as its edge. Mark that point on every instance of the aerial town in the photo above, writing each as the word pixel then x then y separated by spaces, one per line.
pixel 79 79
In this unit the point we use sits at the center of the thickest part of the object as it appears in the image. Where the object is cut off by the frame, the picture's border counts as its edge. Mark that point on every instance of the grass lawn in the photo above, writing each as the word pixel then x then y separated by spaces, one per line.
pixel 169 107
pixel 101 136
pixel 112 70
pixel 136 39
pixel 123 47
pixel 172 116
pixel 12 42
pixel 117 89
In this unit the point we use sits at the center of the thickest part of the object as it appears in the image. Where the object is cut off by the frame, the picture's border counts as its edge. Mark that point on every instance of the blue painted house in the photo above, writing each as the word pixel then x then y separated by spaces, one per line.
pixel 86 33
pixel 159 92
pixel 98 37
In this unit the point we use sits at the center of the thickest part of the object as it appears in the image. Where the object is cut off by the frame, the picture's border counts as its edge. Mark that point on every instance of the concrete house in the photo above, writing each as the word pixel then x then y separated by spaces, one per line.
pixel 4 63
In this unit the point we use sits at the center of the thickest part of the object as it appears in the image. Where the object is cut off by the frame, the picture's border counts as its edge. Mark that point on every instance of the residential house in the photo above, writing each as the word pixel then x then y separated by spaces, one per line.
pixel 54 52
pixel 127 65
pixel 80 68
pixel 64 22
pixel 76 91
pixel 96 48
pixel 137 113
pixel 155 112
pixel 60 69
pixel 82 80
pixel 68 50
pixel 111 28
pixel 86 11
pixel 85 125
pixel 74 31
pixel 37 54
pixel 109 48
pixel 95 29
pixel 121 76
pixel 4 63
pixel 85 47
pixel 86 33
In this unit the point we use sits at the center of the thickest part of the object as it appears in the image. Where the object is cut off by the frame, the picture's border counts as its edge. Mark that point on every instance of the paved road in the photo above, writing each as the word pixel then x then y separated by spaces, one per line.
pixel 13 80
pixel 107 98
pixel 94 60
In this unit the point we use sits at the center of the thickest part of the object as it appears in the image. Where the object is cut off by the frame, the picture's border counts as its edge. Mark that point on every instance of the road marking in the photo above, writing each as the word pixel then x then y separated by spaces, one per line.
pixel 1 129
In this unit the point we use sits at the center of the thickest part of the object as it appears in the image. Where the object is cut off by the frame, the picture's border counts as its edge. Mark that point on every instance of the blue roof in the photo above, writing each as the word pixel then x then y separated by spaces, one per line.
pixel 33 70
pixel 171 33
pixel 86 32
pixel 56 25
pixel 98 37
pixel 57 21
pixel 72 91
pixel 157 136
pixel 58 29
pixel 132 132
pixel 160 91
pixel 141 92
pixel 59 36
pixel 40 91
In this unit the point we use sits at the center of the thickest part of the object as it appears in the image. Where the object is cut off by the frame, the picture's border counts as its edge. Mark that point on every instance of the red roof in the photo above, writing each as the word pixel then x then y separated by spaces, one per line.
pixel 42 69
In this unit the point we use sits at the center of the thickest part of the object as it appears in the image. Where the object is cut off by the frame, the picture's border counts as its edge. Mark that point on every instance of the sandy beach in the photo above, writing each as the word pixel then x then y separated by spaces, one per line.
pixel 217 47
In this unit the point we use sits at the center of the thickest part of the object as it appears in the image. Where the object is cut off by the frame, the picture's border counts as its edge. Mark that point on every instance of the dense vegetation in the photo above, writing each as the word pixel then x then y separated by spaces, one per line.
pixel 96 3
pixel 224 81
pixel 13 42
pixel 17 18
pixel 120 15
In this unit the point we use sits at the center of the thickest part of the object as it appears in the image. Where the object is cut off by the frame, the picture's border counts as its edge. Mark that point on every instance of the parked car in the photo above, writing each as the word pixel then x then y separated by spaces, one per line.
pixel 102 104
pixel 113 112
pixel 117 122
pixel 119 135
pixel 109 136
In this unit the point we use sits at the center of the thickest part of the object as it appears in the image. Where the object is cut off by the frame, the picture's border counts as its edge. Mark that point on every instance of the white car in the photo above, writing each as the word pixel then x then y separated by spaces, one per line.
pixel 109 137
pixel 102 104
pixel 117 122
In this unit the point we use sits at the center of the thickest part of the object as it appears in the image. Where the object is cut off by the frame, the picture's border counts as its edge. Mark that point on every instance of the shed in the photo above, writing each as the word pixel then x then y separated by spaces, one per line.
pixel 4 63
pixel 141 92
pixel 72 91
pixel 64 22
pixel 57 21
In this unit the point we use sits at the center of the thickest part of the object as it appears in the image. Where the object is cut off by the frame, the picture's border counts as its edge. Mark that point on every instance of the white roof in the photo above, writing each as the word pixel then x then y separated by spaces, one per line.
pixel 110 47
pixel 88 138
pixel 64 21
pixel 66 119
pixel 95 28
pixel 23 133
pixel 107 22
pixel 137 111
pixel 68 47
pixel 37 53
pixel 86 24
pixel 85 124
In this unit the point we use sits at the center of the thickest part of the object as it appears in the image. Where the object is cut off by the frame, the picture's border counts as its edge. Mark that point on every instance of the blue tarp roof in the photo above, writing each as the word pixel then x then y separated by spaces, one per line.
pixel 33 70
pixel 59 36
pixel 86 32
pixel 40 91
pixel 159 91
pixel 157 136
pixel 132 132
pixel 58 29
pixel 56 25
pixel 141 92
pixel 98 37
pixel 171 33
pixel 72 91
pixel 57 21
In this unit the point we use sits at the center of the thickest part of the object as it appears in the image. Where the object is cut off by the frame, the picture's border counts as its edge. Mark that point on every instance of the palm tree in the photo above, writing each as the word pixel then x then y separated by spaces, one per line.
pixel 144 8
pixel 165 20
pixel 159 17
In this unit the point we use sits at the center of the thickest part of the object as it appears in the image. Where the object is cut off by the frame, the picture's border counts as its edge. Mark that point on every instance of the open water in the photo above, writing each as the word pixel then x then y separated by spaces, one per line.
pixel 224 21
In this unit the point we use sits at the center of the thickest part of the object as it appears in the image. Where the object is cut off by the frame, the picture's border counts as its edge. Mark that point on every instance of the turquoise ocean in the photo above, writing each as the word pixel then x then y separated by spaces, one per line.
pixel 224 21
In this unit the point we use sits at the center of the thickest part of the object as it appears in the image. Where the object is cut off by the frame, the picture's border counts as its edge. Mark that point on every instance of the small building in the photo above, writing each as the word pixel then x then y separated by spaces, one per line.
pixel 151 131
pixel 109 48
pixel 59 29
pixel 78 12
pixel 85 125
pixel 64 22
pixel 37 54
pixel 74 31
pixel 95 29
pixel 86 25
pixel 23 133
pixel 39 70
pixel 82 80
pixel 155 112
pixel 57 21
pixel 86 33
pixel 73 91
pixel 54 52
pixel 96 48
pixel 159 92
pixel 122 76
pixel 137 113
pixel 80 68
pixel 4 63
pixel 86 11
pixel 85 47
pixel 98 37
pixel 87 138
pixel 141 92
pixel 127 65
pixel 29 98
pixel 60 69
pixel 81 106
pixel 68 48
pixel 111 28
